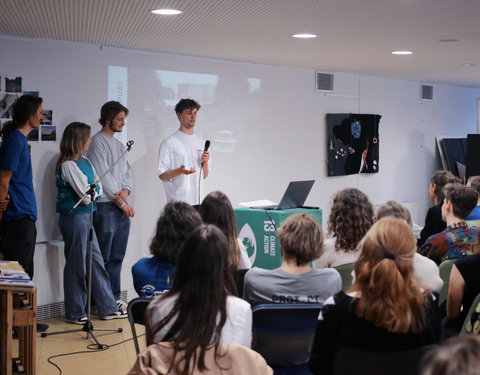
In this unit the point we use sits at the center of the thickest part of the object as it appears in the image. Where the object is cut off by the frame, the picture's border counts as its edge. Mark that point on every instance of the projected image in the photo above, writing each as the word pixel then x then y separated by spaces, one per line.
pixel 151 96
pixel 353 143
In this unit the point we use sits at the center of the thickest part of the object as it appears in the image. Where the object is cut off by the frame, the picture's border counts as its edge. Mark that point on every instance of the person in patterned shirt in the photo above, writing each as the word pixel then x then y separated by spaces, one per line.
pixel 456 239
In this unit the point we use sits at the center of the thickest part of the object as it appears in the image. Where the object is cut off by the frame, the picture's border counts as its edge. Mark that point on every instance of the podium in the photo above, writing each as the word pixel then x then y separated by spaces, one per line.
pixel 256 229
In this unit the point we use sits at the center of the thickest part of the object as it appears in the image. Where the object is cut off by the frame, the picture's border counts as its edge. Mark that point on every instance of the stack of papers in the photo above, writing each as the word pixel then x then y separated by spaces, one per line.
pixel 259 203
pixel 12 273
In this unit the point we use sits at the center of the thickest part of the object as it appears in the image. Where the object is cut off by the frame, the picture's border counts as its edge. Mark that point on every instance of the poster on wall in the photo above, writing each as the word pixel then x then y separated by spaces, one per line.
pixel 353 143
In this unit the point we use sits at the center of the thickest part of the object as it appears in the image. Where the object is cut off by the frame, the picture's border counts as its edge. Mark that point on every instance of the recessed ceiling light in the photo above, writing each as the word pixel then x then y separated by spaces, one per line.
pixel 469 64
pixel 402 52
pixel 166 12
pixel 448 40
pixel 304 36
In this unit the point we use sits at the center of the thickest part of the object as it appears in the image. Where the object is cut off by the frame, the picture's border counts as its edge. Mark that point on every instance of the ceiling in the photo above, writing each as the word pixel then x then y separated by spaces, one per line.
pixel 354 36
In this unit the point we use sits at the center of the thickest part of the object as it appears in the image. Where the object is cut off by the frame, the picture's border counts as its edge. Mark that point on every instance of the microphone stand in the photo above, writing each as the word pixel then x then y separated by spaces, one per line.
pixel 88 325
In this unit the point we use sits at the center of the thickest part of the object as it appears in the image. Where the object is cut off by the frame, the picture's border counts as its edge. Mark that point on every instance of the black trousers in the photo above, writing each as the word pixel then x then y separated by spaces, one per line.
pixel 17 242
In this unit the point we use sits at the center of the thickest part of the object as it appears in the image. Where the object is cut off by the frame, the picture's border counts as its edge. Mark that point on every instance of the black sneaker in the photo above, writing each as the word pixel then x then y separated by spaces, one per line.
pixel 42 327
pixel 116 315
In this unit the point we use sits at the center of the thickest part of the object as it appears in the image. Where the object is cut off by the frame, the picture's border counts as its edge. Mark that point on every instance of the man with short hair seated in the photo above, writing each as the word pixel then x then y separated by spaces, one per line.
pixel 295 281
pixel 455 240
pixel 474 183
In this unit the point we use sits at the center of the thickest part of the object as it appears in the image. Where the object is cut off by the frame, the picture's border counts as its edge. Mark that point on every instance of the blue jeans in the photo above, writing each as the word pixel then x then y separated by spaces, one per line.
pixel 112 227
pixel 75 232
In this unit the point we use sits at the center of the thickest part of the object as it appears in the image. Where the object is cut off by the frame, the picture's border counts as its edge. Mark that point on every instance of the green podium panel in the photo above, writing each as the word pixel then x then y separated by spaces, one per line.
pixel 256 229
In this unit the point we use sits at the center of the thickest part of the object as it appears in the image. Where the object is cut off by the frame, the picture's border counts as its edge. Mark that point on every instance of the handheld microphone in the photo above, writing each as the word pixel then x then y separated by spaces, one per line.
pixel 129 145
pixel 207 145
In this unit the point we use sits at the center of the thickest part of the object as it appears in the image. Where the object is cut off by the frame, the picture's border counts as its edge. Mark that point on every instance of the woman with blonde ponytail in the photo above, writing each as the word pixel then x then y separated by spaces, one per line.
pixel 386 309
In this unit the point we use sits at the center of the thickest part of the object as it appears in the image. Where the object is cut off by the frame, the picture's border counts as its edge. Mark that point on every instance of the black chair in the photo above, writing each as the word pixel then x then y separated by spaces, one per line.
pixel 136 315
pixel 349 361
pixel 283 335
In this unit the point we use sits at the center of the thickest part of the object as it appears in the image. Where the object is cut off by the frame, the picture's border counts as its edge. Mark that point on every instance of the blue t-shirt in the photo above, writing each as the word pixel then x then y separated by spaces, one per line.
pixel 15 157
pixel 151 271
pixel 475 214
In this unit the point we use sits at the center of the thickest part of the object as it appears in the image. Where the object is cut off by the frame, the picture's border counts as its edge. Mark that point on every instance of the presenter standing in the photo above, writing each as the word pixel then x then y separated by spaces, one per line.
pixel 112 218
pixel 18 209
pixel 182 157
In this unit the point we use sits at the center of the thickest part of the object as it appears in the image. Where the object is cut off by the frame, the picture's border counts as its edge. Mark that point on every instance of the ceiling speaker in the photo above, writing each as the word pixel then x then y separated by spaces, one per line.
pixel 426 92
pixel 323 81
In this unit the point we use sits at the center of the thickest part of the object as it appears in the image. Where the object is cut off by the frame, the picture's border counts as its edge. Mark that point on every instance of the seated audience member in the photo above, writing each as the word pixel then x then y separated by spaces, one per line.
pixel 462 290
pixel 433 221
pixel 200 310
pixel 457 238
pixel 386 309
pixel 295 281
pixel 456 356
pixel 226 359
pixel 425 269
pixel 174 225
pixel 350 218
pixel 474 183
pixel 217 209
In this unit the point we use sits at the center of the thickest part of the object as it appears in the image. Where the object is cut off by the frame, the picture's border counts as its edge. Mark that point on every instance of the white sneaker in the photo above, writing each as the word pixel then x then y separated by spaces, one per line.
pixel 79 321
pixel 116 315
pixel 122 306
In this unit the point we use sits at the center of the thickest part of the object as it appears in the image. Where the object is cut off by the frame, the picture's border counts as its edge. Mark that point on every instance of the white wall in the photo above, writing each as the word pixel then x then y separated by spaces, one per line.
pixel 279 130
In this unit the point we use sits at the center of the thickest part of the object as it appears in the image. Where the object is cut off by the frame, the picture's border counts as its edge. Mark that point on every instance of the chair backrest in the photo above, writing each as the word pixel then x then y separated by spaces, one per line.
pixel 354 361
pixel 136 315
pixel 283 333
pixel 472 320
pixel 445 268
pixel 345 271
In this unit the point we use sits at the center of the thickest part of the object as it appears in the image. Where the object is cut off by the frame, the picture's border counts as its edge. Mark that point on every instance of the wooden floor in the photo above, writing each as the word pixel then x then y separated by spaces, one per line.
pixel 118 359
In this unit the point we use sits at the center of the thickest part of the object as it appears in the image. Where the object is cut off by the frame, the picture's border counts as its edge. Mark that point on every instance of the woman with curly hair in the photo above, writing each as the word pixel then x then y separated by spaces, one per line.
pixel 177 221
pixel 386 309
pixel 351 217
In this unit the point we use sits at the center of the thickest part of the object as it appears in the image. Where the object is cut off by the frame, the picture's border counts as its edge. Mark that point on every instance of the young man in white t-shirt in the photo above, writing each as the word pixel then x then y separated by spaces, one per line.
pixel 181 157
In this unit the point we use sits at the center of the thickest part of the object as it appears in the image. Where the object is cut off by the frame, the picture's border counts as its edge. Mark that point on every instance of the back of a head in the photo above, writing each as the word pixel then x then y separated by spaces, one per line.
pixel 217 209
pixel 395 209
pixel 203 261
pixel 457 356
pixel 463 198
pixel 301 238
pixel 351 217
pixel 176 222
pixel 440 179
pixel 474 183
pixel 389 294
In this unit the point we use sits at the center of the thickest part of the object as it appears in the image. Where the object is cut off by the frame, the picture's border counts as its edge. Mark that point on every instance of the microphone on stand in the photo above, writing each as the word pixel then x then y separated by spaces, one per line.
pixel 207 145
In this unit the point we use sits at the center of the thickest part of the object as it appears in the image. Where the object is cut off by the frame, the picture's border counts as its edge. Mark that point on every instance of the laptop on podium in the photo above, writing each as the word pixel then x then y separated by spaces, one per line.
pixel 294 197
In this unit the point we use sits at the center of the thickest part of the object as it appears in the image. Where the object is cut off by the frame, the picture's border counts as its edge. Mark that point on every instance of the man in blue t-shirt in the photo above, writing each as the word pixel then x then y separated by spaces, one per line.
pixel 18 209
